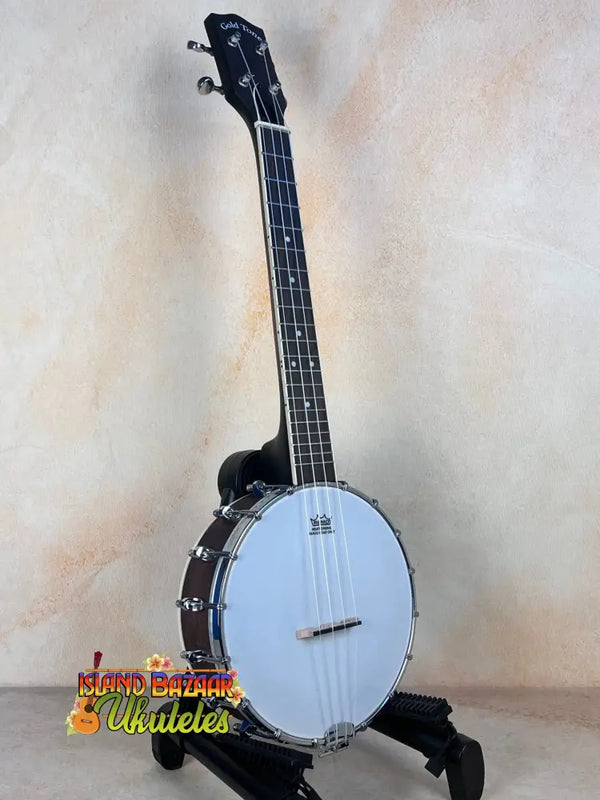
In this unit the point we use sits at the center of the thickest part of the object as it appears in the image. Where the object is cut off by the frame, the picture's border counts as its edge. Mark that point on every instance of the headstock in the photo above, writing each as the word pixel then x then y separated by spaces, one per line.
pixel 248 77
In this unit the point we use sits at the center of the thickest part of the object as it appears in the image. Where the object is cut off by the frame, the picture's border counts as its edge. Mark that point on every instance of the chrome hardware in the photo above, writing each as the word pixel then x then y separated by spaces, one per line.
pixel 200 48
pixel 374 502
pixel 231 513
pixel 206 85
pixel 198 604
pixel 409 657
pixel 234 39
pixel 411 571
pixel 262 48
pixel 207 554
pixel 260 488
pixel 244 80
pixel 274 88
pixel 343 485
pixel 337 737
pixel 416 615
pixel 195 656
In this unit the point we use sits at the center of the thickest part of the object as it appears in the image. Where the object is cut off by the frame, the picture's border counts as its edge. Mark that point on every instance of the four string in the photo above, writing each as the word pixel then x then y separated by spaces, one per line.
pixel 306 469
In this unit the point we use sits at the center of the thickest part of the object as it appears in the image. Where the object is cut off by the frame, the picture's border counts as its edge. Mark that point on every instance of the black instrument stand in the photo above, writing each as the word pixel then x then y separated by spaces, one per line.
pixel 259 770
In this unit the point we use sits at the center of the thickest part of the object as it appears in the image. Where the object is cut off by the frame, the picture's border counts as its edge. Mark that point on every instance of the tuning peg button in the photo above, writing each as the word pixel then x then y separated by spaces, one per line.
pixel 199 48
pixel 206 85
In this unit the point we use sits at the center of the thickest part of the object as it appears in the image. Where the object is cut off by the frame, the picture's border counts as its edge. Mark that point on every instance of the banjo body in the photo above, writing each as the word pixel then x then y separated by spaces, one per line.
pixel 312 602
pixel 302 586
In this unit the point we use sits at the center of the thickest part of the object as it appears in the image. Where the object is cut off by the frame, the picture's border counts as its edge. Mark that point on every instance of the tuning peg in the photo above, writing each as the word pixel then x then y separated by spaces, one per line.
pixel 206 85
pixel 199 48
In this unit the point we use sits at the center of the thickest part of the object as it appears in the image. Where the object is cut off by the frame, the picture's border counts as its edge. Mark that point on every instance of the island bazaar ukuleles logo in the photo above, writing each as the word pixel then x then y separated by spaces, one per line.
pixel 118 697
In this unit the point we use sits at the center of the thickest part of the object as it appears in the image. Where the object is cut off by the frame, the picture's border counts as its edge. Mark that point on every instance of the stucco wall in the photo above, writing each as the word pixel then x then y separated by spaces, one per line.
pixel 448 162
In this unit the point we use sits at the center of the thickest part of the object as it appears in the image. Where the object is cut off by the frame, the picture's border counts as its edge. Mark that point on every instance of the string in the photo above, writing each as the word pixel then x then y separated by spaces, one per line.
pixel 255 94
pixel 319 432
pixel 304 400
pixel 279 110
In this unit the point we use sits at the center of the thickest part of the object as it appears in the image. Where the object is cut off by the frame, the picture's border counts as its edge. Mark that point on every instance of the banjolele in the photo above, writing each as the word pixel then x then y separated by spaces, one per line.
pixel 301 583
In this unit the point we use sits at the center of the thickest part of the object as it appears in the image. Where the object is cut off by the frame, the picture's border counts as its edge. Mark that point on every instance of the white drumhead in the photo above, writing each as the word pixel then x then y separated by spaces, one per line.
pixel 318 556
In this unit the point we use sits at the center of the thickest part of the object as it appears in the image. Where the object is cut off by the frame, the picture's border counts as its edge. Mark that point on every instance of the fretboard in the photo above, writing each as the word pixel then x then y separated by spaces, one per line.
pixel 311 451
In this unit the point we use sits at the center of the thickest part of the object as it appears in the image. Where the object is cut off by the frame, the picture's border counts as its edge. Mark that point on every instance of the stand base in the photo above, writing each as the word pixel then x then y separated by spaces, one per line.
pixel 422 723
pixel 258 770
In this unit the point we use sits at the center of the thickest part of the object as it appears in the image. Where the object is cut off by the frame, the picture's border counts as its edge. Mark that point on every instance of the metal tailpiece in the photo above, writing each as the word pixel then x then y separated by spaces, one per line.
pixel 337 738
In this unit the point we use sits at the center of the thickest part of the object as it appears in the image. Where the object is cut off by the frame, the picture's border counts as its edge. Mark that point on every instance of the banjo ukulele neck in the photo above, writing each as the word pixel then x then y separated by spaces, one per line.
pixel 301 381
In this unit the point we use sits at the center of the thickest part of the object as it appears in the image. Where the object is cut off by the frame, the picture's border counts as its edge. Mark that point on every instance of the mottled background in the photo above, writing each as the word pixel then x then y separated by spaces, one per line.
pixel 448 157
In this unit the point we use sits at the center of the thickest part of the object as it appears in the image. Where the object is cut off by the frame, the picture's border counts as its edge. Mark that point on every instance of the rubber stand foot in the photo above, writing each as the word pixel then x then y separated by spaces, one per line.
pixel 465 769
pixel 168 754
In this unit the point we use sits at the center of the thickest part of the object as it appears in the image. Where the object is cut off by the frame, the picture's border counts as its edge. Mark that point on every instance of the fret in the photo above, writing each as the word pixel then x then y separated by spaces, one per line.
pixel 315 441
pixel 313 429
pixel 296 296
pixel 313 463
pixel 278 203
pixel 279 143
pixel 290 319
pixel 284 253
pixel 291 277
pixel 266 153
pixel 298 406
pixel 310 437
pixel 284 216
pixel 268 178
pixel 289 267
pixel 298 410
pixel 276 190
pixel 312 450
pixel 280 237
pixel 324 439
pixel 277 227
pixel 316 473
pixel 277 164
pixel 288 281
pixel 298 349
pixel 297 308
pixel 320 422
pixel 300 329
pixel 314 457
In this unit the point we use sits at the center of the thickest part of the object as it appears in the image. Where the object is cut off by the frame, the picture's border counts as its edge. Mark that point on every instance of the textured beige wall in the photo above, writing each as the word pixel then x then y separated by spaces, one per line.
pixel 449 170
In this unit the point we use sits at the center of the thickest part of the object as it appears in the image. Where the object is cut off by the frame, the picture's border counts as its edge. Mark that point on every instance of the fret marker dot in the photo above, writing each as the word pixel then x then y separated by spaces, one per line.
pixel 307 404
pixel 293 363
pixel 287 238
pixel 298 333
pixel 292 280
pixel 312 363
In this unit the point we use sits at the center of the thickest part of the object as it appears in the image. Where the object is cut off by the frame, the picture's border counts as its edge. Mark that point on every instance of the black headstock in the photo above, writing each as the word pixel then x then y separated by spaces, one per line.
pixel 248 77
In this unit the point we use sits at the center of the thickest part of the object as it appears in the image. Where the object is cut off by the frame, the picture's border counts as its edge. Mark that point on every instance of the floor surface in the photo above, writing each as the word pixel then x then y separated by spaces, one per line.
pixel 538 745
